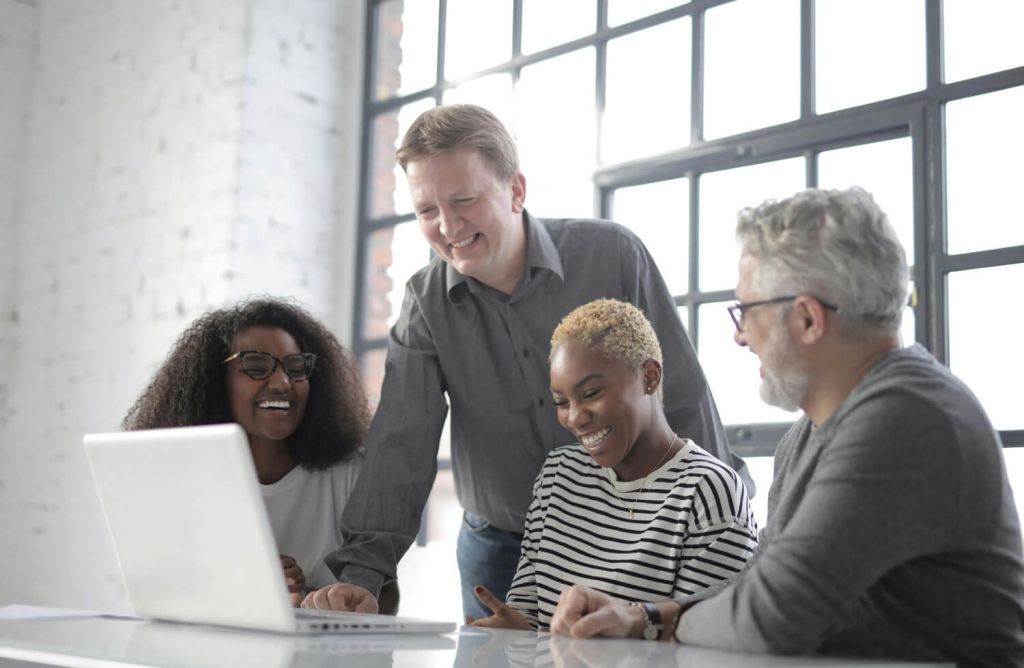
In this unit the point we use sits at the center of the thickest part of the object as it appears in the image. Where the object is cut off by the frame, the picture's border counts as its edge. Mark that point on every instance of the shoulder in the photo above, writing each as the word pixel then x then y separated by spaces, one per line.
pixel 701 467
pixel 588 231
pixel 717 491
pixel 570 459
pixel 912 403
pixel 428 281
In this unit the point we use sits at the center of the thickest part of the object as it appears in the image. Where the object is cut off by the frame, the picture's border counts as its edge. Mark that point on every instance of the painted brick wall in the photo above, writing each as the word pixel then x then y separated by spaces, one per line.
pixel 180 155
pixel 17 53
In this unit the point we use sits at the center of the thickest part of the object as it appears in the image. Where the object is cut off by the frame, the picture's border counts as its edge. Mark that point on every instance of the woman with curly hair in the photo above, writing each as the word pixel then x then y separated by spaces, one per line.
pixel 271 367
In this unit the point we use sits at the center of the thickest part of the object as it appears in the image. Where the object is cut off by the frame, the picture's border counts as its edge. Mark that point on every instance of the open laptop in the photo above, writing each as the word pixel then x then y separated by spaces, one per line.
pixel 192 535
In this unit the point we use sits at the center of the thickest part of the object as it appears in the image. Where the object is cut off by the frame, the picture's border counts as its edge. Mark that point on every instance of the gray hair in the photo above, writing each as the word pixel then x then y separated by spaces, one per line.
pixel 837 245
pixel 450 126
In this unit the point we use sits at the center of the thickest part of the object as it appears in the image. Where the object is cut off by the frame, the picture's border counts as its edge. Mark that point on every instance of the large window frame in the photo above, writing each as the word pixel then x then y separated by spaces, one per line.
pixel 919 116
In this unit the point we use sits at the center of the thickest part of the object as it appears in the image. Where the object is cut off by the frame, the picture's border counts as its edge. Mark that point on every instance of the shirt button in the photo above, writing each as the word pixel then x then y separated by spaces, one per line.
pixel 540 402
pixel 526 353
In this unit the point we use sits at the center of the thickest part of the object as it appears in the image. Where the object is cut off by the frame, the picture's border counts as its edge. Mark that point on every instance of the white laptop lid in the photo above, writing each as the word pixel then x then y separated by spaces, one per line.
pixel 191 532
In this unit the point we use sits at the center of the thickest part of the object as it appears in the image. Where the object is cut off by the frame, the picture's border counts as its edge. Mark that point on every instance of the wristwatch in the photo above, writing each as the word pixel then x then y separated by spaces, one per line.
pixel 652 620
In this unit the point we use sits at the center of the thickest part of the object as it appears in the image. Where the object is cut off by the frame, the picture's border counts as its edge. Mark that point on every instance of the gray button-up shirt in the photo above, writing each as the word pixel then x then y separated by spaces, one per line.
pixel 489 353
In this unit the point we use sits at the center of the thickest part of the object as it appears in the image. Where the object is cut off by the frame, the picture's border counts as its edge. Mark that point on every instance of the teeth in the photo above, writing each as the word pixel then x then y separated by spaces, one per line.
pixel 465 242
pixel 590 440
pixel 275 404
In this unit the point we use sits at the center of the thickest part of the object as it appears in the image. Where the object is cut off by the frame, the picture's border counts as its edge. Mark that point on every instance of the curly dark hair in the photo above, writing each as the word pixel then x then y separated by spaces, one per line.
pixel 191 386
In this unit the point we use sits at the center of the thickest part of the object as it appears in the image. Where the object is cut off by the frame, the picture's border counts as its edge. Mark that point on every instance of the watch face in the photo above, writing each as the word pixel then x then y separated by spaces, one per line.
pixel 650 631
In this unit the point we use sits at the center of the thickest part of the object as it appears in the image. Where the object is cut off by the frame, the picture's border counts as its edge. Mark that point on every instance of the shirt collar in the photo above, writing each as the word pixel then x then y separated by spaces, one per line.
pixel 541 254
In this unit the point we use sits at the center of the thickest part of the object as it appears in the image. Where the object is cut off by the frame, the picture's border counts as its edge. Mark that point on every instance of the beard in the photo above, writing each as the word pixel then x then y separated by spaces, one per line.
pixel 786 375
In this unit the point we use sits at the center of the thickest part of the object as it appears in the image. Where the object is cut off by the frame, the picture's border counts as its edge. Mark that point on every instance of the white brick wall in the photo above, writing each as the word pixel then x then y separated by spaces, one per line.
pixel 17 53
pixel 179 155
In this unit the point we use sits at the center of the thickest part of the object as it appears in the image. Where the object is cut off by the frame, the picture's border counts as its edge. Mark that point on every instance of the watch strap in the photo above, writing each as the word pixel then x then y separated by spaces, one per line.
pixel 652 620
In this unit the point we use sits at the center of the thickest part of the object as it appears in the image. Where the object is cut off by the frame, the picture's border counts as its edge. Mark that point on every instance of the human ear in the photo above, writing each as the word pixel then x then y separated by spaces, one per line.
pixel 808 319
pixel 518 193
pixel 651 371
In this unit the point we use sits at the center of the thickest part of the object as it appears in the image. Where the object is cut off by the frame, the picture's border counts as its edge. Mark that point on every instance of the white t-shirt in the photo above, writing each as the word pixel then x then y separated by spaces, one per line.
pixel 305 514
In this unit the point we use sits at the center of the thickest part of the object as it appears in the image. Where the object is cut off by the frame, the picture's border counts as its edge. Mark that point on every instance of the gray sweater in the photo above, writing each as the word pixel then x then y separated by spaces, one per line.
pixel 891 531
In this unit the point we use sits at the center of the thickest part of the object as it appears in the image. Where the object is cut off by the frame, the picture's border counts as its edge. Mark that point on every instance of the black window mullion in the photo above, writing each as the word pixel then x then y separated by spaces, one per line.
pixel 935 232
pixel 925 212
pixel 442 38
pixel 601 205
pixel 933 44
pixel 697 77
pixel 807 60
pixel 517 28
pixel 693 287
pixel 365 185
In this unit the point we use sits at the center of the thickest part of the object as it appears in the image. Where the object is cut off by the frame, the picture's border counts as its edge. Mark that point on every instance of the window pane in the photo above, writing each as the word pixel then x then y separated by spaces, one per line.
pixel 372 372
pixel 982 36
pixel 492 92
pixel 555 132
pixel 732 371
pixel 393 255
pixel 722 195
pixel 648 114
pixel 984 172
pixel 977 316
pixel 547 23
pixel 884 169
pixel 389 194
pixel 478 35
pixel 406 57
pixel 624 11
pixel 850 71
pixel 752 52
pixel 908 332
pixel 659 214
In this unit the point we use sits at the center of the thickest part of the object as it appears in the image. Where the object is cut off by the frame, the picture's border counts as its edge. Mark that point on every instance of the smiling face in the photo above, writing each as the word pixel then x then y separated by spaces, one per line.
pixel 271 409
pixel 470 216
pixel 607 406
pixel 785 377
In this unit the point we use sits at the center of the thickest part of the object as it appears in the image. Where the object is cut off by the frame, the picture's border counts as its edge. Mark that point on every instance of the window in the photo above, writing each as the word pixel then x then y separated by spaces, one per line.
pixel 671 116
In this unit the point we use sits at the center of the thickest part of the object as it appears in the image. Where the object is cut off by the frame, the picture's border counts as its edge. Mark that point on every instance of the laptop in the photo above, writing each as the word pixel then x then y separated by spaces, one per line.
pixel 187 519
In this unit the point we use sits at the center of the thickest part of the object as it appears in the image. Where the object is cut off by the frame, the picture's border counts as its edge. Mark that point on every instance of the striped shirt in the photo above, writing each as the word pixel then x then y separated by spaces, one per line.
pixel 692 528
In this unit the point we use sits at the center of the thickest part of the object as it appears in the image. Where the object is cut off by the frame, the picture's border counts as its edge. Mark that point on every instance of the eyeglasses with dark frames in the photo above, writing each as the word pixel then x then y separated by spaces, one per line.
pixel 738 310
pixel 259 365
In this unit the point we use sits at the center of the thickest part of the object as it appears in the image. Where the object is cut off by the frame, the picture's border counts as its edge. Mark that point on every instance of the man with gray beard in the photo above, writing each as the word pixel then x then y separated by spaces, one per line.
pixel 892 530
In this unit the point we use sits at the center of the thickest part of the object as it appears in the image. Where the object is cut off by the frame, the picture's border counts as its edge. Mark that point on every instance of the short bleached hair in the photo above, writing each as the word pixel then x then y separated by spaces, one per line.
pixel 617 330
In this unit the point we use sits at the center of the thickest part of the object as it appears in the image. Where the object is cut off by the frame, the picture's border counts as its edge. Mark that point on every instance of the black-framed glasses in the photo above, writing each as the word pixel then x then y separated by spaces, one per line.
pixel 259 365
pixel 739 309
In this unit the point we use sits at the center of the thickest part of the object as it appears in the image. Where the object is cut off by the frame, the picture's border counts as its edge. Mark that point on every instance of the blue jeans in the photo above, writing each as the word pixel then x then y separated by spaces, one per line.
pixel 487 556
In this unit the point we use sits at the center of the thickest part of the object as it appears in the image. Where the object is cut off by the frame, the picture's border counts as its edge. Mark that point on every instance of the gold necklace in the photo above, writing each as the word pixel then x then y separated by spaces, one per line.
pixel 643 485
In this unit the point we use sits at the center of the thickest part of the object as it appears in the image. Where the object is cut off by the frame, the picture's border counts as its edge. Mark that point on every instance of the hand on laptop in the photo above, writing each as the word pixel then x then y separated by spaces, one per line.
pixel 296 580
pixel 504 617
pixel 342 596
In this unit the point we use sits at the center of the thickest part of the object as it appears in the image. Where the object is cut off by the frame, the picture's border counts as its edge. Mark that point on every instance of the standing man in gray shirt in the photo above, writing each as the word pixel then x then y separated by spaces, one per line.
pixel 892 530
pixel 473 334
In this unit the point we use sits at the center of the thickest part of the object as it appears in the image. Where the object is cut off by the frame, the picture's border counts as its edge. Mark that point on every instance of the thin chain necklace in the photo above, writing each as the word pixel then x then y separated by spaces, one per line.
pixel 643 485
